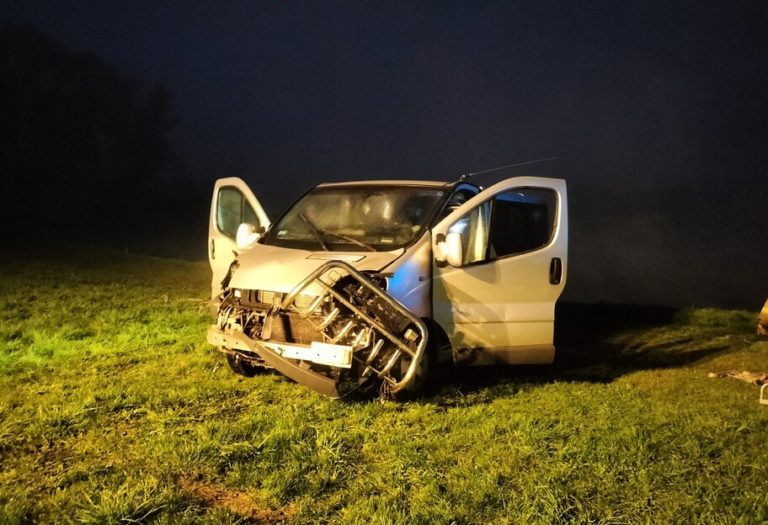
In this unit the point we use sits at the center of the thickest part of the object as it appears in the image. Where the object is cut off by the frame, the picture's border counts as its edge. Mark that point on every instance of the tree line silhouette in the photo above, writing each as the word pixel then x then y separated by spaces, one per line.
pixel 84 149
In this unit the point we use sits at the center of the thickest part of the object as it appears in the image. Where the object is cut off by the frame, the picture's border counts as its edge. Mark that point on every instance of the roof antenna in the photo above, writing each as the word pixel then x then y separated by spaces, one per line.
pixel 465 176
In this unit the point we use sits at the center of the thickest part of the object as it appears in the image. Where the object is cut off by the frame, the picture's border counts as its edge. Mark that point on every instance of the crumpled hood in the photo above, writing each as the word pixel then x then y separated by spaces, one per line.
pixel 278 269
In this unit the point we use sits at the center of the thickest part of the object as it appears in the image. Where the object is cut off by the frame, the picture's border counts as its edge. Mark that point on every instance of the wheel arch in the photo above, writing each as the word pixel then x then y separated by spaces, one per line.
pixel 439 343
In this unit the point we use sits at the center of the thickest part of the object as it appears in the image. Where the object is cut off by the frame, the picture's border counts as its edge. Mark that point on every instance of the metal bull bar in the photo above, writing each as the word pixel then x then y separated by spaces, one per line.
pixel 325 278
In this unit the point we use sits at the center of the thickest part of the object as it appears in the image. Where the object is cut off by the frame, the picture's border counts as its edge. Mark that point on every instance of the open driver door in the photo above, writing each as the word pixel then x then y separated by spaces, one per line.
pixel 233 204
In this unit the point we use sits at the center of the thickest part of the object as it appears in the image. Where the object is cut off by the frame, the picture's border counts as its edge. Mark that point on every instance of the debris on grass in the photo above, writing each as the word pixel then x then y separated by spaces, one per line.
pixel 756 378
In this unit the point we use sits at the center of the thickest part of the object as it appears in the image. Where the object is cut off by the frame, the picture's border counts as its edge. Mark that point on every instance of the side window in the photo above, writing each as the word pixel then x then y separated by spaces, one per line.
pixel 513 222
pixel 522 220
pixel 249 215
pixel 474 229
pixel 459 197
pixel 232 209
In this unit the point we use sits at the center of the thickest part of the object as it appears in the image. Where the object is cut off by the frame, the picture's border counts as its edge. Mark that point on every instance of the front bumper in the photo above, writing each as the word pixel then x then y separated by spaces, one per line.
pixel 287 367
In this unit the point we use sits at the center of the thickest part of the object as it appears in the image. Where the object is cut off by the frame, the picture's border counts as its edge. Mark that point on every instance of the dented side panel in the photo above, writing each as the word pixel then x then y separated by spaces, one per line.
pixel 409 278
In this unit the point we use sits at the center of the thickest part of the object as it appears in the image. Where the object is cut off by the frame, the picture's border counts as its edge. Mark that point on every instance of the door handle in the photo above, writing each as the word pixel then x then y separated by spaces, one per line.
pixel 555 270
pixel 213 249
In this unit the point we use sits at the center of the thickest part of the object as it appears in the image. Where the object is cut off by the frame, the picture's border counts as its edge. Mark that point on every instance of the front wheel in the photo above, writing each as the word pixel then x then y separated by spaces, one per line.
pixel 241 365
pixel 422 380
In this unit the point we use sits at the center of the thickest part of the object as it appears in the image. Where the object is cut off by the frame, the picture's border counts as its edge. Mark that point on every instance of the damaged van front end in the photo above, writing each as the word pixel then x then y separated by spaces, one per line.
pixel 336 331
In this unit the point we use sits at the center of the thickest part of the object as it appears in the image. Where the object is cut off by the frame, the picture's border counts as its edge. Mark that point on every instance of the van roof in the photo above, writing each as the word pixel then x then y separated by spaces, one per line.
pixel 424 183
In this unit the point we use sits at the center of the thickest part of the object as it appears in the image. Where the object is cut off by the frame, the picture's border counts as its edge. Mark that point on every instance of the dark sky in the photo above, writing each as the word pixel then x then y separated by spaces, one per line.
pixel 657 112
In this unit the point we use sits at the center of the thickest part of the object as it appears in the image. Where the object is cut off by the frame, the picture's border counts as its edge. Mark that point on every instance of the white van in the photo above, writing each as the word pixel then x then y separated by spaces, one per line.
pixel 373 283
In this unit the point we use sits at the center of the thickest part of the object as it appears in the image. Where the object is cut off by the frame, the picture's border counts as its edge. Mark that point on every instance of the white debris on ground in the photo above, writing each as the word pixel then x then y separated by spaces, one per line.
pixel 756 378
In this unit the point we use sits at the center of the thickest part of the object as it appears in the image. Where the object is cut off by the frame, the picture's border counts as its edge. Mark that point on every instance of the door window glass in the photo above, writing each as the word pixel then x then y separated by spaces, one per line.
pixel 513 222
pixel 249 215
pixel 459 197
pixel 522 220
pixel 474 230
pixel 232 210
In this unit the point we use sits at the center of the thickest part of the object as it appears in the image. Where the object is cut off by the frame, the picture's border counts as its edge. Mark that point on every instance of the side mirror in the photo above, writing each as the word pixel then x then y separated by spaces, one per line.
pixel 454 252
pixel 448 248
pixel 247 235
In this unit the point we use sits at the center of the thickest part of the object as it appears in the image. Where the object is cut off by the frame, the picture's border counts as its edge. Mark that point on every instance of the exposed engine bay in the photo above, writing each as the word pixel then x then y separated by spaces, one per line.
pixel 336 332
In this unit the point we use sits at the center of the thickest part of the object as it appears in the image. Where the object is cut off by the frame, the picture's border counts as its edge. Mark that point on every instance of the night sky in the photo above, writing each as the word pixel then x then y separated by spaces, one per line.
pixel 657 112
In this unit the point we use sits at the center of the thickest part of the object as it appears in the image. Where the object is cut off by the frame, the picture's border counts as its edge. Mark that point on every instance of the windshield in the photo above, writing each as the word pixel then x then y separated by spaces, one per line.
pixel 359 218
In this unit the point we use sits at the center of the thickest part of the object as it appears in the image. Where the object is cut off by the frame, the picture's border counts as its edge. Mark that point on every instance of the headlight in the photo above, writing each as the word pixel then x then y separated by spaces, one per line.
pixel 379 279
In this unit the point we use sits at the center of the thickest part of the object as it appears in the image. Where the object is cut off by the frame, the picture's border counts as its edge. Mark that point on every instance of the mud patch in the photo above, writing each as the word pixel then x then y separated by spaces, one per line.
pixel 246 505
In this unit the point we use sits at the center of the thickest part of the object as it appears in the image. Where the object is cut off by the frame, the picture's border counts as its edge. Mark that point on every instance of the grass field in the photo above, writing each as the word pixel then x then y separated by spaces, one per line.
pixel 113 409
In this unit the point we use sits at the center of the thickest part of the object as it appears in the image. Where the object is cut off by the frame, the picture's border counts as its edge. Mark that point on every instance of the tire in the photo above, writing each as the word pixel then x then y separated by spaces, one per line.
pixel 423 380
pixel 242 366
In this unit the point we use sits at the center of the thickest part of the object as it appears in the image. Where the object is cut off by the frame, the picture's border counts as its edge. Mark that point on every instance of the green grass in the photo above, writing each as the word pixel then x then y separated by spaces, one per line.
pixel 113 409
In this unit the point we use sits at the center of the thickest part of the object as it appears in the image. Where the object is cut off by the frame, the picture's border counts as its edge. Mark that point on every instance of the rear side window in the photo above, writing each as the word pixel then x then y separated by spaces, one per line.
pixel 232 209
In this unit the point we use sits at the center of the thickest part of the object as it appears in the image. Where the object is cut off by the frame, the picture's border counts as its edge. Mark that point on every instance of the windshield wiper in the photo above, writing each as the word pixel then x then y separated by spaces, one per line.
pixel 320 233
pixel 314 229
pixel 349 239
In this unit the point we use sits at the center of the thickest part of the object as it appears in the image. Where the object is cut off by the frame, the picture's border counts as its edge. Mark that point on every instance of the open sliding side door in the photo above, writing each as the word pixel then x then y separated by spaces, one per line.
pixel 233 203
pixel 496 301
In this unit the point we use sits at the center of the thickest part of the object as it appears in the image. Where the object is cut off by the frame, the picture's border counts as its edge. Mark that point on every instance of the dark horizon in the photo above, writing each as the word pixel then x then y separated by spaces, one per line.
pixel 656 112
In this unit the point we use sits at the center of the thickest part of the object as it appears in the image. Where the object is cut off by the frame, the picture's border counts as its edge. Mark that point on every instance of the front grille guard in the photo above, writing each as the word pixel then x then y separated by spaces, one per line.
pixel 323 280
